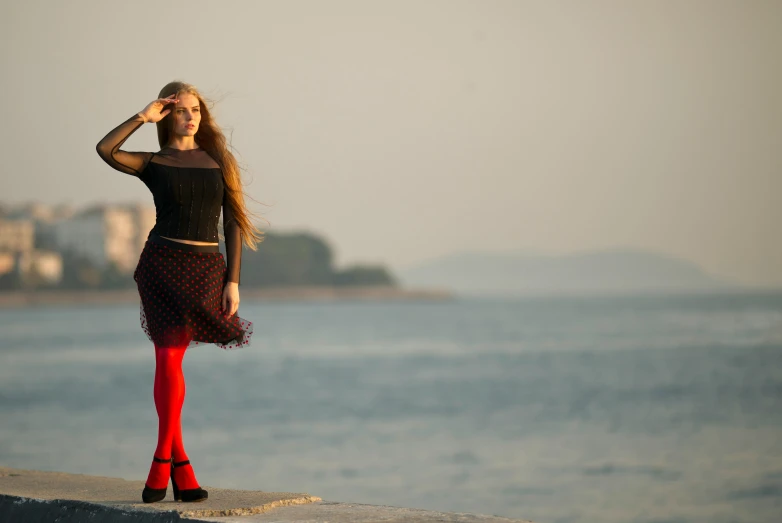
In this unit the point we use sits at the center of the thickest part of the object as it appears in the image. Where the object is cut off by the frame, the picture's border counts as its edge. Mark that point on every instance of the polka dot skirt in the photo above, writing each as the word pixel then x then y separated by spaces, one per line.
pixel 181 299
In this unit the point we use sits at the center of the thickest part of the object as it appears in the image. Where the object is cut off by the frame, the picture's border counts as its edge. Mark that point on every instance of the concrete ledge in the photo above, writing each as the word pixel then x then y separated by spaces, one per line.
pixel 32 496
pixel 125 496
pixel 18 509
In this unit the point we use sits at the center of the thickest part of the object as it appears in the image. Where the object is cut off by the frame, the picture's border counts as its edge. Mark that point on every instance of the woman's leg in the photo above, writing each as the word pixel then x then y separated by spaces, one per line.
pixel 177 447
pixel 169 394
pixel 185 476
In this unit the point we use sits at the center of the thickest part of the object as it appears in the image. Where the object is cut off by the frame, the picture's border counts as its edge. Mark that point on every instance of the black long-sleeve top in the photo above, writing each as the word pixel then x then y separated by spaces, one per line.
pixel 187 187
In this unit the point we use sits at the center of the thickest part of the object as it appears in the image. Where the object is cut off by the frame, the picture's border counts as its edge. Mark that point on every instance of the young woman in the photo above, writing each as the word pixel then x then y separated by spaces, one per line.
pixel 189 292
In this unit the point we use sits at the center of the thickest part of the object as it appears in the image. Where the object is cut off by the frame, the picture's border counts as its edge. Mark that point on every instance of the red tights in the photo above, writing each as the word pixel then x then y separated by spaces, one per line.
pixel 169 394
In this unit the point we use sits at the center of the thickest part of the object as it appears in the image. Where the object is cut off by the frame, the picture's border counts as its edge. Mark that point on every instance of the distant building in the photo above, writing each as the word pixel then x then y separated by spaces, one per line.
pixel 38 212
pixel 107 234
pixel 19 257
pixel 43 217
pixel 30 211
pixel 44 266
pixel 7 262
pixel 17 235
pixel 146 217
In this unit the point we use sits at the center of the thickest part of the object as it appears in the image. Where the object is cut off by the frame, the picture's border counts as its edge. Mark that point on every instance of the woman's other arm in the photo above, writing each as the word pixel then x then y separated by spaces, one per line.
pixel 233 254
pixel 233 242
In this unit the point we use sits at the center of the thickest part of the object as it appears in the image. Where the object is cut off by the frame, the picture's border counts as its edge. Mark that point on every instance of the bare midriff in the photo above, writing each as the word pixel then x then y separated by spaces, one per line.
pixel 189 241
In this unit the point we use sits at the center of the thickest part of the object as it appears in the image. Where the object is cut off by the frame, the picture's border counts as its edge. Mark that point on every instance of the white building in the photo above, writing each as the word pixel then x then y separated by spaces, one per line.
pixel 107 234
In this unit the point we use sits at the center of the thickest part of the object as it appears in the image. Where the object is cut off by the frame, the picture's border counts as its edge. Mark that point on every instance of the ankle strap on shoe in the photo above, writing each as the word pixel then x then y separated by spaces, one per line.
pixel 155 458
pixel 182 463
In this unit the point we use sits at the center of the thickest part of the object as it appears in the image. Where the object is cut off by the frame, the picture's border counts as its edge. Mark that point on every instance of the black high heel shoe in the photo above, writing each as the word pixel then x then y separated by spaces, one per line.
pixel 151 495
pixel 186 495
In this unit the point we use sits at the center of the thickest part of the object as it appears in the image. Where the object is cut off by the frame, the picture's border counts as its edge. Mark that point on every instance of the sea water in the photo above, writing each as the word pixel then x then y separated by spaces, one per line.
pixel 554 409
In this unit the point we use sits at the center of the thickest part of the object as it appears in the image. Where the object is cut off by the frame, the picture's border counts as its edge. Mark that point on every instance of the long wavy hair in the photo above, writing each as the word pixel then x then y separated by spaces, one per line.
pixel 211 138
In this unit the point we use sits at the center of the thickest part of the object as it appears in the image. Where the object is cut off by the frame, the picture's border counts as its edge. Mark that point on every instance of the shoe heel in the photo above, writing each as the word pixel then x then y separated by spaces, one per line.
pixel 177 497
pixel 186 495
pixel 153 495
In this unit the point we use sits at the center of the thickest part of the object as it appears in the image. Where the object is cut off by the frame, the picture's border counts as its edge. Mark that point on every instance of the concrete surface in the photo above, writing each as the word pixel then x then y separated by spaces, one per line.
pixel 32 496
pixel 334 512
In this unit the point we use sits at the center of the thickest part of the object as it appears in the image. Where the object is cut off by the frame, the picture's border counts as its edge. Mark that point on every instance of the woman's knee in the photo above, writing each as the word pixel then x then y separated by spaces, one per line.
pixel 170 359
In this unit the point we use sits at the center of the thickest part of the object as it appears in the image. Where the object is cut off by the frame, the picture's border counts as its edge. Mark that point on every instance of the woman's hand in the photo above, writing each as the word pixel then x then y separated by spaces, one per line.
pixel 230 299
pixel 153 112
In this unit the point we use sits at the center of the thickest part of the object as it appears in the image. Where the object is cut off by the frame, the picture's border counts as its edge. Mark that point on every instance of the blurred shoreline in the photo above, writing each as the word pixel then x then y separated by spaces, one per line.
pixel 21 299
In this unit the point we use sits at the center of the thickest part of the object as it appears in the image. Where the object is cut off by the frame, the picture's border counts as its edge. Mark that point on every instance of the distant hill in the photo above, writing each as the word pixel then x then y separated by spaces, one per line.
pixel 609 271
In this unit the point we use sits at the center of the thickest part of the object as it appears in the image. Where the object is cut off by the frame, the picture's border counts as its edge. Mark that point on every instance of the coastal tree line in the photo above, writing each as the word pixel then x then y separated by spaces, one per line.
pixel 282 260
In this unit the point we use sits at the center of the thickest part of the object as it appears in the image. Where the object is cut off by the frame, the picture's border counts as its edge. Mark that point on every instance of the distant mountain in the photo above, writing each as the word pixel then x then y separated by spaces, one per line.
pixel 609 271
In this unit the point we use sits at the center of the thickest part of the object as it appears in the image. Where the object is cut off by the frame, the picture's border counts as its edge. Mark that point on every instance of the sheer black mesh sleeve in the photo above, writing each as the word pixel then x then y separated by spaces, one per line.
pixel 109 148
pixel 233 241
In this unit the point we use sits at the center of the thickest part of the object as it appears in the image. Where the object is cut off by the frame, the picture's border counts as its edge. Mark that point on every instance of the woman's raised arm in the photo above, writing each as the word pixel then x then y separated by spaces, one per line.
pixel 132 162
pixel 109 147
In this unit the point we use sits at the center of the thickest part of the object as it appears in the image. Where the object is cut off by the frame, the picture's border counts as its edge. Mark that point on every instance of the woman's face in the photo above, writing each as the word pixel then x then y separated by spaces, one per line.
pixel 187 115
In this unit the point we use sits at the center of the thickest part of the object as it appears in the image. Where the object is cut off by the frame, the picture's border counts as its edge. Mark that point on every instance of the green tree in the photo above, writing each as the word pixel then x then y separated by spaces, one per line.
pixel 364 275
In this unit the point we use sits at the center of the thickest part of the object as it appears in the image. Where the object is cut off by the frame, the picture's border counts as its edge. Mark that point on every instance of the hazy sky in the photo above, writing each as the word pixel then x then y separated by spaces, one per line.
pixel 406 130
